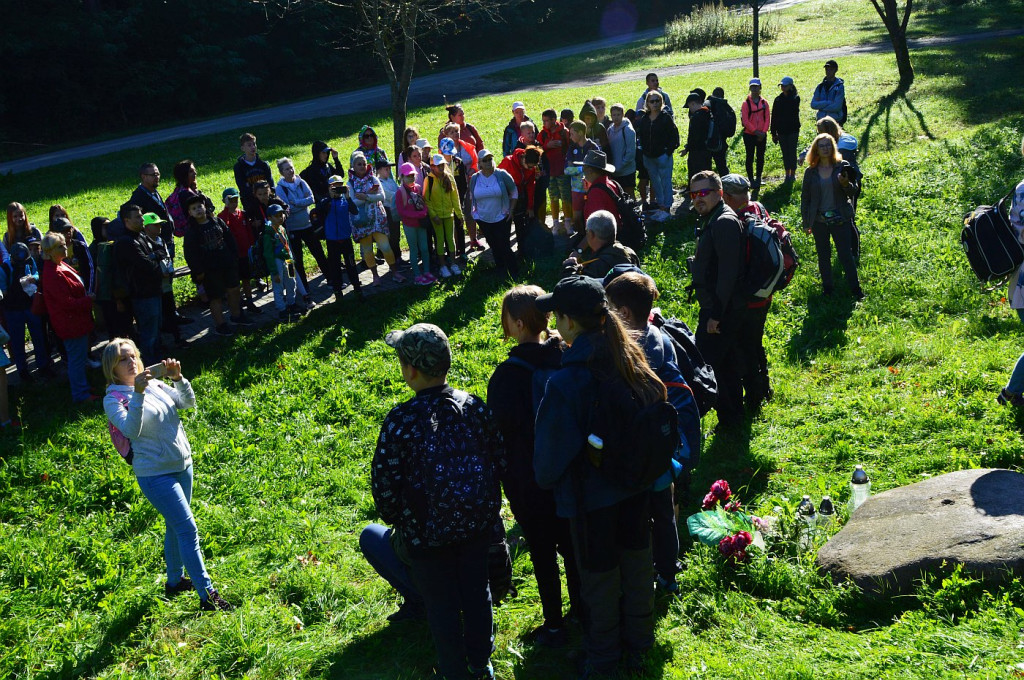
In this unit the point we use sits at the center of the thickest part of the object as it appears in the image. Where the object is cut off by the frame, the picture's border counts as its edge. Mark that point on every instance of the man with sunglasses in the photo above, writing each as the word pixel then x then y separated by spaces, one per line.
pixel 717 270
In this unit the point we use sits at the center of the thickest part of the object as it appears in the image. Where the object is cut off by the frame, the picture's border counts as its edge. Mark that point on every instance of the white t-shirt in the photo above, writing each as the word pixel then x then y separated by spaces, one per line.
pixel 488 193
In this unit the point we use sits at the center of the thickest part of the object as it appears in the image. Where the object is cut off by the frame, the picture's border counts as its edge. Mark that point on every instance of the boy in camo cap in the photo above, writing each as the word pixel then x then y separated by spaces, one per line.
pixel 434 479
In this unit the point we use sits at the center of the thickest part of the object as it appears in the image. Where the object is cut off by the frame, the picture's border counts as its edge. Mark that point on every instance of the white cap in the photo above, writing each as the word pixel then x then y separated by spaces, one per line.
pixel 437 159
pixel 518 105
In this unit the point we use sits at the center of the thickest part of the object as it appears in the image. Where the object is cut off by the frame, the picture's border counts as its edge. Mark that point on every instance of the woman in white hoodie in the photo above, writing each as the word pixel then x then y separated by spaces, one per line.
pixel 299 196
pixel 144 409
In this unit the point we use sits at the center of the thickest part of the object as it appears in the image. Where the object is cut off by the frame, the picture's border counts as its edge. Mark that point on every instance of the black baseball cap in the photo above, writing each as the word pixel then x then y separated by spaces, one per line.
pixel 575 296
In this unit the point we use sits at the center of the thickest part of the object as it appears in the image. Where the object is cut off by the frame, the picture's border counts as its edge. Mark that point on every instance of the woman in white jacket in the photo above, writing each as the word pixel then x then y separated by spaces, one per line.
pixel 299 196
pixel 145 410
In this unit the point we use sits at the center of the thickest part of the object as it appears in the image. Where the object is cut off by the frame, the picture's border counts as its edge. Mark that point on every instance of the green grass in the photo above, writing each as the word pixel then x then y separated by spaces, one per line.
pixel 288 417
pixel 814 25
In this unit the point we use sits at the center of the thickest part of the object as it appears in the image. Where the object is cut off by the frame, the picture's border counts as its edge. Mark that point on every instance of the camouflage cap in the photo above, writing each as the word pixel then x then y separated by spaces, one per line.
pixel 423 346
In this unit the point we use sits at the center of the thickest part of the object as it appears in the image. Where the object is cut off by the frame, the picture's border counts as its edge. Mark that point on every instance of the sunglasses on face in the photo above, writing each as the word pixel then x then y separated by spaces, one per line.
pixel 701 194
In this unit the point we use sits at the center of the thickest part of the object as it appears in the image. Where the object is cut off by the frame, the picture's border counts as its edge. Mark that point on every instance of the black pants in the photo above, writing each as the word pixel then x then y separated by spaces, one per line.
pixel 755 367
pixel 696 161
pixel 394 235
pixel 519 221
pixel 664 534
pixel 721 159
pixel 787 145
pixel 118 324
pixel 336 250
pixel 548 537
pixel 613 552
pixel 307 236
pixel 497 235
pixel 842 233
pixel 169 314
pixel 753 144
pixel 722 351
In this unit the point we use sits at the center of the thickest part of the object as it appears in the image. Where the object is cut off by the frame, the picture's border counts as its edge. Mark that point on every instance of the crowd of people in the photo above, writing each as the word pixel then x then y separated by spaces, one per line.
pixel 444 456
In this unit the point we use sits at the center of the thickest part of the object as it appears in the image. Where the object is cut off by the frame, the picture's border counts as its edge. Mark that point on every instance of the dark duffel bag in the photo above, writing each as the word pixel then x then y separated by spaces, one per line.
pixel 990 242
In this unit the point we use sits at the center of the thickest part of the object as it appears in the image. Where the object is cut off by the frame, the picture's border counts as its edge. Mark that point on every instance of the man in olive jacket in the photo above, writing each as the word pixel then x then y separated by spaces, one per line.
pixel 718 269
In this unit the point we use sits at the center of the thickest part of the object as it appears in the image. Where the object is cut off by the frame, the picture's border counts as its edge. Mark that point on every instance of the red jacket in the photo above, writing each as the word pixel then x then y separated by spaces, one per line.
pixel 555 156
pixel 241 230
pixel 70 309
pixel 598 198
pixel 525 180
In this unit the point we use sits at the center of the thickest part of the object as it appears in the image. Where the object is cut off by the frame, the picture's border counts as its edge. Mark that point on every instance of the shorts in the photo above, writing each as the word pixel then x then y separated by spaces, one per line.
pixel 244 268
pixel 626 181
pixel 640 169
pixel 560 188
pixel 578 200
pixel 219 279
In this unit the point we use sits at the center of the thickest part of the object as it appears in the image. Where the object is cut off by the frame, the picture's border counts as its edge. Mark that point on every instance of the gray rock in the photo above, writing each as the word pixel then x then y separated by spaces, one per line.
pixel 973 517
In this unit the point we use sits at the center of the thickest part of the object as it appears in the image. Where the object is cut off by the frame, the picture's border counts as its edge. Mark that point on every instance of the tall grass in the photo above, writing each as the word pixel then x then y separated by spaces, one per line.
pixel 713 25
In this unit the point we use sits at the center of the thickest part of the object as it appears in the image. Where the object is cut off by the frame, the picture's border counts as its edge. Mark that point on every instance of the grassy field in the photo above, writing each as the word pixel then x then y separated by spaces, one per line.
pixel 288 417
pixel 818 24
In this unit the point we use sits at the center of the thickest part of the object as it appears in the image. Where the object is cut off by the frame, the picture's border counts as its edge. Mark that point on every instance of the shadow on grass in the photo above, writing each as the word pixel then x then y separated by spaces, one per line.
pixel 117 632
pixel 403 650
pixel 883 113
pixel 824 327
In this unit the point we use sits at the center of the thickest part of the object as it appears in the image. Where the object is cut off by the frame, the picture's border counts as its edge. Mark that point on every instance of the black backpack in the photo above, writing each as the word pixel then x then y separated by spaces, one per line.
pixel 714 141
pixel 632 231
pixel 537 242
pixel 765 261
pixel 698 373
pixel 630 444
pixel 990 241
pixel 724 115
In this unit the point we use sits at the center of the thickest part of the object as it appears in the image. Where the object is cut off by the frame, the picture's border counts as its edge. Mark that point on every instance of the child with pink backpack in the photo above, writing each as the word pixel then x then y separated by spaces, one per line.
pixel 412 210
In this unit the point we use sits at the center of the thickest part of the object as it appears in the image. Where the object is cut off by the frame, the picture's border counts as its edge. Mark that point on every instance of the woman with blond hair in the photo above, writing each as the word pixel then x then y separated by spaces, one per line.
pixel 69 306
pixel 144 410
pixel 826 208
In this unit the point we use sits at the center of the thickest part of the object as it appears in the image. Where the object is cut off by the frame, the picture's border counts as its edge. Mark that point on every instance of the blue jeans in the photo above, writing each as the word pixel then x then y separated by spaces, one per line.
pixel 660 170
pixel 17 322
pixel 375 544
pixel 171 495
pixel 418 248
pixel 1016 384
pixel 78 351
pixel 148 312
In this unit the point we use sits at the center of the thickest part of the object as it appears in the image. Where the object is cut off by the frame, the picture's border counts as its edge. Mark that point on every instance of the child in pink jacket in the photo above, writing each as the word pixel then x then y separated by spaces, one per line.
pixel 412 210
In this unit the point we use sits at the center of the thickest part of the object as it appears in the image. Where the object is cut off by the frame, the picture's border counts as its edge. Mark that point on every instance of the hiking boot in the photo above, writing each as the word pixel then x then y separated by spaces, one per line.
pixel 409 611
pixel 1009 398
pixel 549 637
pixel 243 320
pixel 667 587
pixel 455 270
pixel 486 673
pixel 215 603
pixel 182 586
pixel 224 330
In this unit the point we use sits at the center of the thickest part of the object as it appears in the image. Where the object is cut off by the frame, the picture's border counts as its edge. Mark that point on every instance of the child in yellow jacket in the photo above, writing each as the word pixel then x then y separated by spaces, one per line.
pixel 442 198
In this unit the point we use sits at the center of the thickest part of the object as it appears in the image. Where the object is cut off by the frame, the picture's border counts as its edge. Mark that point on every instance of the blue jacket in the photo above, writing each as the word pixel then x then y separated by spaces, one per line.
pixel 337 215
pixel 562 420
pixel 828 99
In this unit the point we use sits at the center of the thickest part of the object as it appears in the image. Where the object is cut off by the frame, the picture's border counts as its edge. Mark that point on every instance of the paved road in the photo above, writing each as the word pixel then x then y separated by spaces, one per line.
pixel 459 83
pixel 462 82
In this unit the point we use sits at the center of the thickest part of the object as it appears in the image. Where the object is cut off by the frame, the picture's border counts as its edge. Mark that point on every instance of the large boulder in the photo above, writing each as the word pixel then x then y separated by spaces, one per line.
pixel 973 517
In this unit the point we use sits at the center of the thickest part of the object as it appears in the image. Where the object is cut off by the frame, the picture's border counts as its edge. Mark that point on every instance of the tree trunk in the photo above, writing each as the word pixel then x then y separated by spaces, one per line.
pixel 757 36
pixel 897 28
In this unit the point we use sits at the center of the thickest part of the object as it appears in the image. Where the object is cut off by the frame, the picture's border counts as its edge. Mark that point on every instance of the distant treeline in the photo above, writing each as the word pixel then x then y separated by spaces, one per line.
pixel 81 68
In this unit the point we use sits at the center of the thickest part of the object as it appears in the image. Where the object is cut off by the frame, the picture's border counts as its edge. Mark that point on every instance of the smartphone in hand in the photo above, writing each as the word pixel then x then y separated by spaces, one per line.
pixel 157 370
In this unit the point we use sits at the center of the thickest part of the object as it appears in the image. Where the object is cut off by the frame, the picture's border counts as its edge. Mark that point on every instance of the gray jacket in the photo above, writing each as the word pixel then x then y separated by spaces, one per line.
pixel 152 424
pixel 810 197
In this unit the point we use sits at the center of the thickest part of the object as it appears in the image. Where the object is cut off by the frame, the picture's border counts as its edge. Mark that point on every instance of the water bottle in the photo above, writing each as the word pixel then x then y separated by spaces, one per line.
pixel 808 520
pixel 860 488
pixel 826 513
pixel 595 450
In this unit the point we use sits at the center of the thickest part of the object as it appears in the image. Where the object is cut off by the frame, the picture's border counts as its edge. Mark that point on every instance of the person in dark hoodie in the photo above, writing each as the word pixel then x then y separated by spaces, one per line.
pixel 595 128
pixel 698 156
pixel 785 127
pixel 510 394
pixel 368 145
pixel 250 169
pixel 212 256
pixel 510 137
pixel 321 169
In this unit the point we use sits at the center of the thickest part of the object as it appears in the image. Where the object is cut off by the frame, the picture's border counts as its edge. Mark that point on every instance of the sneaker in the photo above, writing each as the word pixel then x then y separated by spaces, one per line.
pixel 445 272
pixel 408 612
pixel 549 637
pixel 429 276
pixel 182 586
pixel 421 280
pixel 295 309
pixel 1009 398
pixel 243 320
pixel 455 269
pixel 184 320
pixel 397 276
pixel 667 587
pixel 224 330
pixel 486 673
pixel 215 603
